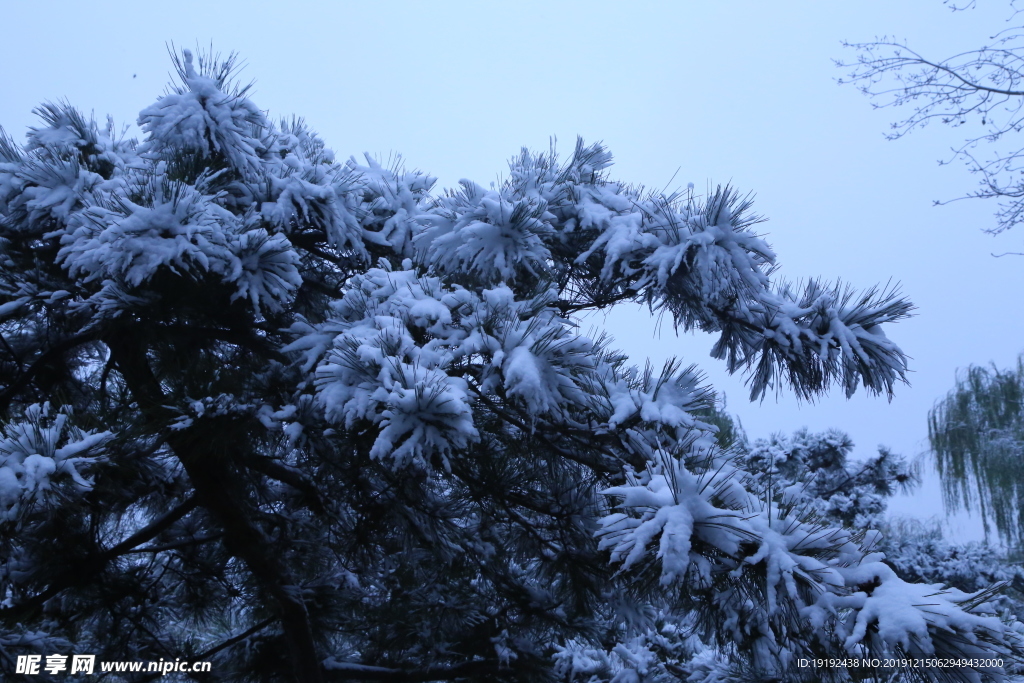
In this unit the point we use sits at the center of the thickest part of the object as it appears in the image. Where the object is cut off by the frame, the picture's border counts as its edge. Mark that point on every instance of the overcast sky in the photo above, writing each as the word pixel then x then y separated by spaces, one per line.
pixel 738 92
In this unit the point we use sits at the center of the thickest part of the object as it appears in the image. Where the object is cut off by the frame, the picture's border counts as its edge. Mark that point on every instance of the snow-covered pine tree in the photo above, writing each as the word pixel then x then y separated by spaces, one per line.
pixel 309 422
pixel 814 472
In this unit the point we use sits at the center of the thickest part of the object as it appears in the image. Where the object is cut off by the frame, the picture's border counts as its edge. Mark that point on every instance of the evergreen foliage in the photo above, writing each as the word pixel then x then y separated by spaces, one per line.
pixel 814 470
pixel 310 422
pixel 918 552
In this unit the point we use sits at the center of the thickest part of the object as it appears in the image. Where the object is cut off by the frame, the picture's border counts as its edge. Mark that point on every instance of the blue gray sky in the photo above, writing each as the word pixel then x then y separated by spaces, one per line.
pixel 724 92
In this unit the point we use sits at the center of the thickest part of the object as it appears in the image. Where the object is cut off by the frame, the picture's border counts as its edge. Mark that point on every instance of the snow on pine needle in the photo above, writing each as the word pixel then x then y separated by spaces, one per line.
pixel 42 455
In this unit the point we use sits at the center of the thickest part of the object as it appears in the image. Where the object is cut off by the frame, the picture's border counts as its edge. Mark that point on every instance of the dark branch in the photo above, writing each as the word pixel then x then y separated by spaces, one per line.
pixel 985 83
pixel 297 479
pixel 80 573
pixel 213 477
pixel 52 353
pixel 347 671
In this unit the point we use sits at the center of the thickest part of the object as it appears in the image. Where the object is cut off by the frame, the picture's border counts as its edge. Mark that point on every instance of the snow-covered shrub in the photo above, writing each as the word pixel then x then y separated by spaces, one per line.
pixel 918 552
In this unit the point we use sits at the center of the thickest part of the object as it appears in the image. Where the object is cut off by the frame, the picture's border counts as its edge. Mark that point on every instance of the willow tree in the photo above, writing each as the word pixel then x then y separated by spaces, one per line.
pixel 977 435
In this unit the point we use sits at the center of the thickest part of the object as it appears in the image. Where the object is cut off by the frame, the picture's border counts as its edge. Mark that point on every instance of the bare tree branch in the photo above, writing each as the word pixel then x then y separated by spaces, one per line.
pixel 979 90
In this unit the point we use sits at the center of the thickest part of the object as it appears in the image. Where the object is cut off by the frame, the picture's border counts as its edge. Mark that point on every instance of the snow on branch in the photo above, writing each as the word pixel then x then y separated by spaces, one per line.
pixel 415 441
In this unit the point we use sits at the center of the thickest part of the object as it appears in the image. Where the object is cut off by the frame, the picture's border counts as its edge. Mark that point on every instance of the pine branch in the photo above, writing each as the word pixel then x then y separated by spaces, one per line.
pixel 81 573
pixel 214 483
pixel 350 671
pixel 606 467
pixel 295 478
pixel 54 352
pixel 184 543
